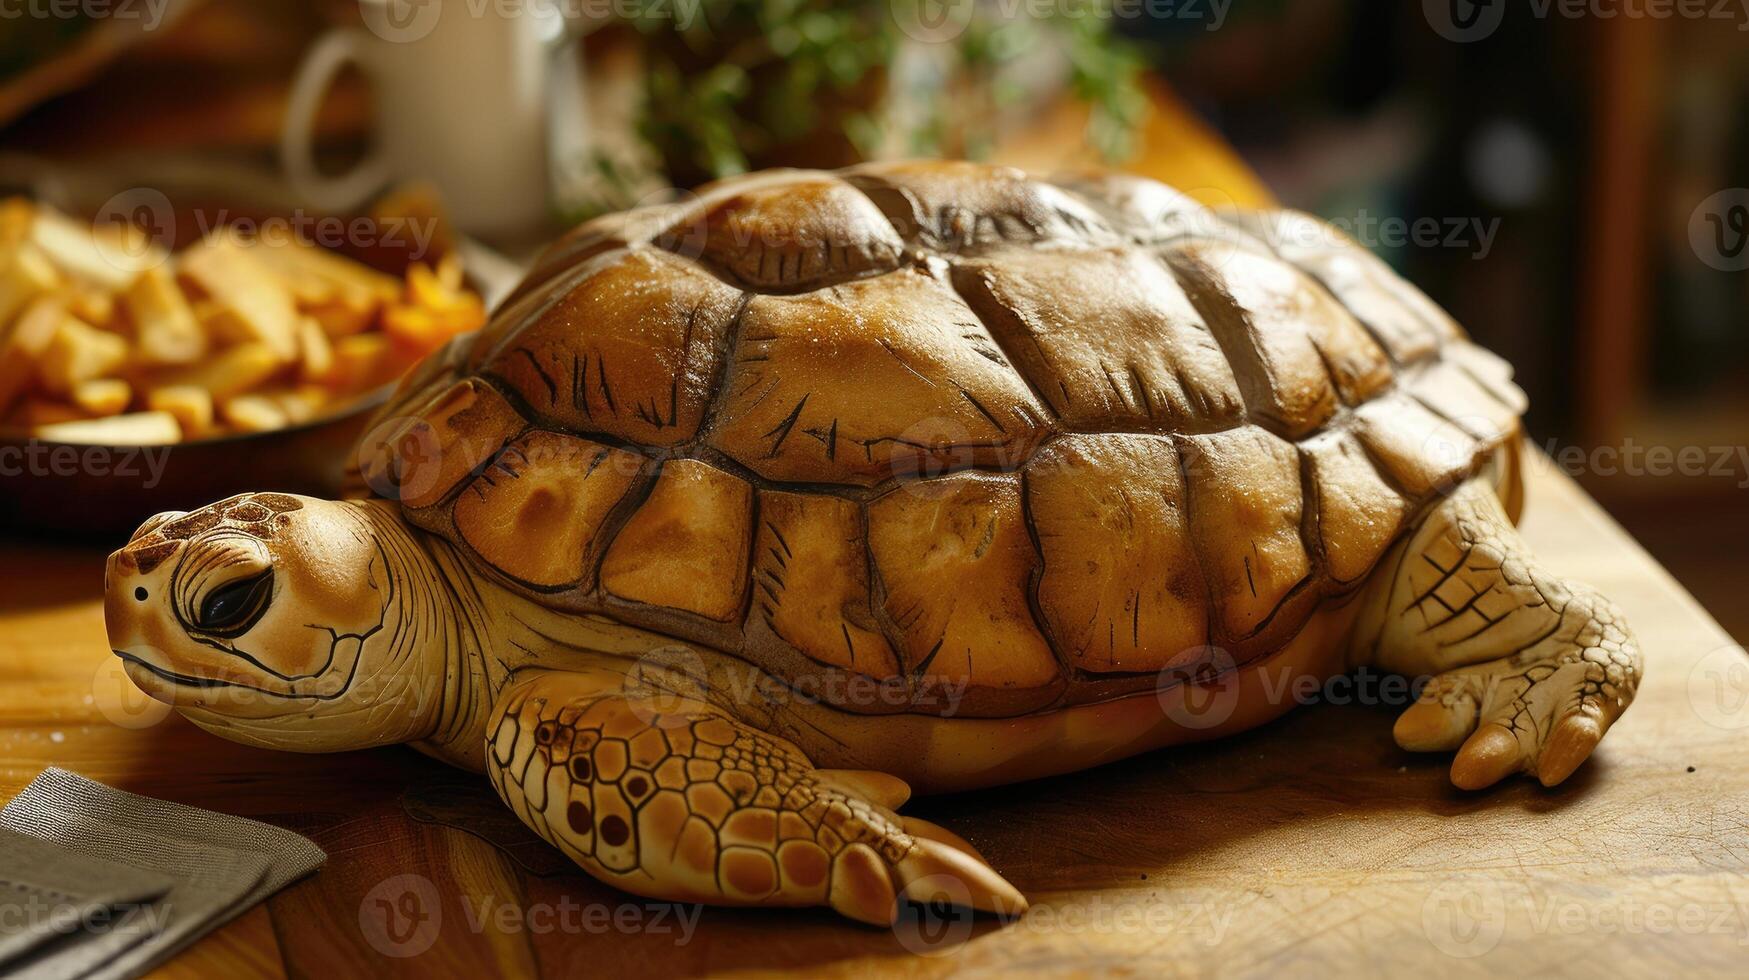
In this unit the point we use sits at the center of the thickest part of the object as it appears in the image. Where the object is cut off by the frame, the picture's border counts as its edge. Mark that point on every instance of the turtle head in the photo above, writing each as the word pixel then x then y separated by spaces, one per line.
pixel 274 619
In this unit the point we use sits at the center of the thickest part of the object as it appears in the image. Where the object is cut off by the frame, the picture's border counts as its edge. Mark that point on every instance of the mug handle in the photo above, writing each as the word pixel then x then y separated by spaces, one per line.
pixel 331 52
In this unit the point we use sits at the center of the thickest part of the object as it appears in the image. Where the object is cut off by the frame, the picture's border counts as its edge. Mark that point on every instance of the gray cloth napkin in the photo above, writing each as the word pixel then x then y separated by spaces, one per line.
pixel 221 866
pixel 47 892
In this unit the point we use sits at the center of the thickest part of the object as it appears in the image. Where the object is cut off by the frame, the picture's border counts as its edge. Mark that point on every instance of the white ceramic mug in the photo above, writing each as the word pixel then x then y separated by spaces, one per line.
pixel 461 100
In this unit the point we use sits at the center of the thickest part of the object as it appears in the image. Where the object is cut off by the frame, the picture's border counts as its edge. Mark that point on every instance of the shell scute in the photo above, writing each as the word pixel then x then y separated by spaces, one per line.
pixel 536 513
pixel 1246 506
pixel 957 561
pixel 631 352
pixel 686 546
pixel 1108 339
pixel 786 232
pixel 1122 589
pixel 958 206
pixel 862 382
pixel 811 584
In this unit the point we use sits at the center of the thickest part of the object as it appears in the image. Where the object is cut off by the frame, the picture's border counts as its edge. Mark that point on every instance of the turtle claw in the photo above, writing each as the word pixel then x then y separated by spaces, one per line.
pixel 1541 715
pixel 1487 757
pixel 1571 744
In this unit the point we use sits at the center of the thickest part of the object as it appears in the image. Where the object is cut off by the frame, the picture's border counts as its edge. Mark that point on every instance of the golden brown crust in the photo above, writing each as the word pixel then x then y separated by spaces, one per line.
pixel 1298 355
pixel 686 546
pixel 536 512
pixel 956 206
pixel 786 232
pixel 1121 588
pixel 1245 511
pixel 632 351
pixel 1358 513
pixel 1040 439
pixel 1108 339
pixel 859 383
pixel 811 586
pixel 957 561
pixel 432 451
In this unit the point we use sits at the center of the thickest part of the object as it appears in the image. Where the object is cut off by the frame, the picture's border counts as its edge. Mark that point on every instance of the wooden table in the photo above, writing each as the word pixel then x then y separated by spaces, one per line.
pixel 1312 844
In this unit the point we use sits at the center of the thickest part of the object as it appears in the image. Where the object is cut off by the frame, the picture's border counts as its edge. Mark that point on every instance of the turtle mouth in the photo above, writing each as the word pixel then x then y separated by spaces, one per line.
pixel 170 675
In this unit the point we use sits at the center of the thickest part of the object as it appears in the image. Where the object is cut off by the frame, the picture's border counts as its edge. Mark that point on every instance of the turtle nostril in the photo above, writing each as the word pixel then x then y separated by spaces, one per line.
pixel 140 593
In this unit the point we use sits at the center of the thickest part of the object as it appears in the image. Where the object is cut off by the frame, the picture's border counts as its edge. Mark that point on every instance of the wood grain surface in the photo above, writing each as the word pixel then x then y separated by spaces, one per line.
pixel 1312 844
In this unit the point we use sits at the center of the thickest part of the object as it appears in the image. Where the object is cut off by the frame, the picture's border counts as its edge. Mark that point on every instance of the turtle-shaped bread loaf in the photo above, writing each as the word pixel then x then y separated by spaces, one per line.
pixel 747 515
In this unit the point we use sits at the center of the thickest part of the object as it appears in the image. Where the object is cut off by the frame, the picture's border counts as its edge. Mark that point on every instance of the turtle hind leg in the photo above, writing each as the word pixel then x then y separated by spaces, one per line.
pixel 668 797
pixel 1528 670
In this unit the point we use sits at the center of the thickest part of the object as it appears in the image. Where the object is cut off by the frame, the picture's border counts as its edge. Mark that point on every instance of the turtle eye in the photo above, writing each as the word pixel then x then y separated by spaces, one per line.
pixel 231 609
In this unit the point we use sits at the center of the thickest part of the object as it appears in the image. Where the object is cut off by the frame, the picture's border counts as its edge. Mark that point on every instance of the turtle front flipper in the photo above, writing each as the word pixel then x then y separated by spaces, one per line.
pixel 1528 669
pixel 668 797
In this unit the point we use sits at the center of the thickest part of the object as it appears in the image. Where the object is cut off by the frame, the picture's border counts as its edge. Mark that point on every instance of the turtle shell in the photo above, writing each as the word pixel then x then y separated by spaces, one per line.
pixel 941 437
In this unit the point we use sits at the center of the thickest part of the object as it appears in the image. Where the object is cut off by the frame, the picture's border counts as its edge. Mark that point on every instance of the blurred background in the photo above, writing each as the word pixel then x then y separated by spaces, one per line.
pixel 1570 180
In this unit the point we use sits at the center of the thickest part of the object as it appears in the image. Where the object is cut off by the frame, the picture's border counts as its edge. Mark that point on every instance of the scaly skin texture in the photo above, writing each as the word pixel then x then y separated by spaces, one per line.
pixel 665 796
pixel 1528 668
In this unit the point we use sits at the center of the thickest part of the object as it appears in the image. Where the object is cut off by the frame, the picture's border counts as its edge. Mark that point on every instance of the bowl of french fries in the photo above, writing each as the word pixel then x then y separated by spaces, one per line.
pixel 139 375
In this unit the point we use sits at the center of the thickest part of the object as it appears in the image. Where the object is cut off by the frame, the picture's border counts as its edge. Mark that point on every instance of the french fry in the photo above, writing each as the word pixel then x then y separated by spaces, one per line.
pixel 165 329
pixel 425 327
pixel 95 307
pixel 358 362
pixel 25 275
pixel 79 352
pixel 35 411
pixel 343 315
pixel 318 351
pixel 257 304
pixel 234 371
pixel 23 344
pixel 297 403
pixel 449 273
pixel 316 275
pixel 109 256
pixel 137 429
pixel 192 406
pixel 102 396
pixel 228 336
pixel 253 413
pixel 16 216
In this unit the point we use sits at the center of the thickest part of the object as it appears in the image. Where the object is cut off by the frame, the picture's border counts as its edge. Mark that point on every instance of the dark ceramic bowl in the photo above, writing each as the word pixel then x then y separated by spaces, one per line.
pixel 102 493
